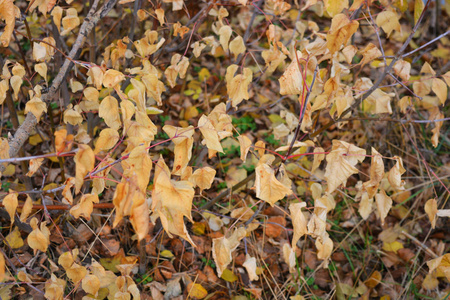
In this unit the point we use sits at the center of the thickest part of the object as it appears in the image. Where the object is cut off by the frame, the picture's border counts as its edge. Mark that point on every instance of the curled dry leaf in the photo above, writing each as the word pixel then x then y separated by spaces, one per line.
pixel 395 174
pixel 10 203
pixel 291 82
pixel 244 145
pixel 7 13
pixel 340 32
pixel 267 186
pixel 107 139
pixel 26 209
pixel 431 211
pixel 38 239
pixel 109 111
pixel 183 140
pixel 223 247
pixel 298 222
pixel 237 86
pixel 84 163
pixel 70 21
pixel 91 284
pixel 384 204
pixel 250 266
pixel 203 177
pixel 388 21
pixel 210 135
pixel 85 206
pixel 35 164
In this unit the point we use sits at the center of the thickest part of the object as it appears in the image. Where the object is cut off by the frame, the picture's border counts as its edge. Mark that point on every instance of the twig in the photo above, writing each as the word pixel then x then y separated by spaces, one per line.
pixel 426 44
pixel 30 122
pixel 17 159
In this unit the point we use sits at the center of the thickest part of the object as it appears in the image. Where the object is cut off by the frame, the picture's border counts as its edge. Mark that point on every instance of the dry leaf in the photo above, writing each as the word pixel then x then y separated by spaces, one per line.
pixel 38 239
pixel 431 211
pixel 244 145
pixel 183 140
pixel 340 32
pixel 250 266
pixel 70 21
pixel 85 206
pixel 84 163
pixel 388 20
pixel 203 177
pixel 35 164
pixel 7 13
pixel 291 82
pixel 10 202
pixel 298 222
pixel 211 137
pixel 91 284
pixel 267 186
pixel 107 139
pixel 384 204
pixel 223 247
pixel 237 86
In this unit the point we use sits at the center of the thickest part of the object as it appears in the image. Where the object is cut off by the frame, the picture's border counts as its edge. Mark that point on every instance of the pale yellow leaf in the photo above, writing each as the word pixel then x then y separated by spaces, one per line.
pixel 203 177
pixel 384 204
pixel 84 163
pixel 431 211
pixel 388 21
pixel 223 247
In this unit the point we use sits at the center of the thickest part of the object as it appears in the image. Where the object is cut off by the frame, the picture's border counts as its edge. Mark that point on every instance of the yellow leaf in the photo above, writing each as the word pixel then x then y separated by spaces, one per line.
pixel 338 170
pixel 440 89
pixel 14 239
pixel 237 86
pixel 7 13
pixel 73 116
pixel 4 87
pixel 203 177
pixel 10 203
pixel 76 273
pixel 388 20
pixel 160 15
pixel 225 34
pixel 54 288
pixel 431 211
pixel 211 137
pixel 196 291
pixel 166 254
pixel 41 69
pixel 373 280
pixel 384 204
pixel 395 173
pixel 38 239
pixel 250 266
pixel 57 16
pixel 430 282
pixel 298 222
pixel 96 75
pixel 402 69
pixel 108 139
pixel 36 106
pixel 85 206
pixel 35 164
pixel 393 247
pixel 237 46
pixel 291 82
pixel 244 145
pixel 334 7
pixel 365 205
pixel 91 284
pixel 446 77
pixel 63 142
pixel 370 52
pixel 229 276
pixel 183 146
pixel 222 249
pixel 70 21
pixel 324 247
pixel 267 186
pixel 109 111
pixel 84 163
pixel 172 200
pixel 2 267
pixel 26 209
pixel 340 32
pixel 418 9
pixel 112 78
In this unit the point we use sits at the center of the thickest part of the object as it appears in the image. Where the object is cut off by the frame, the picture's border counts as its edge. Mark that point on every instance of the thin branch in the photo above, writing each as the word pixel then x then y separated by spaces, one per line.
pixel 426 44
